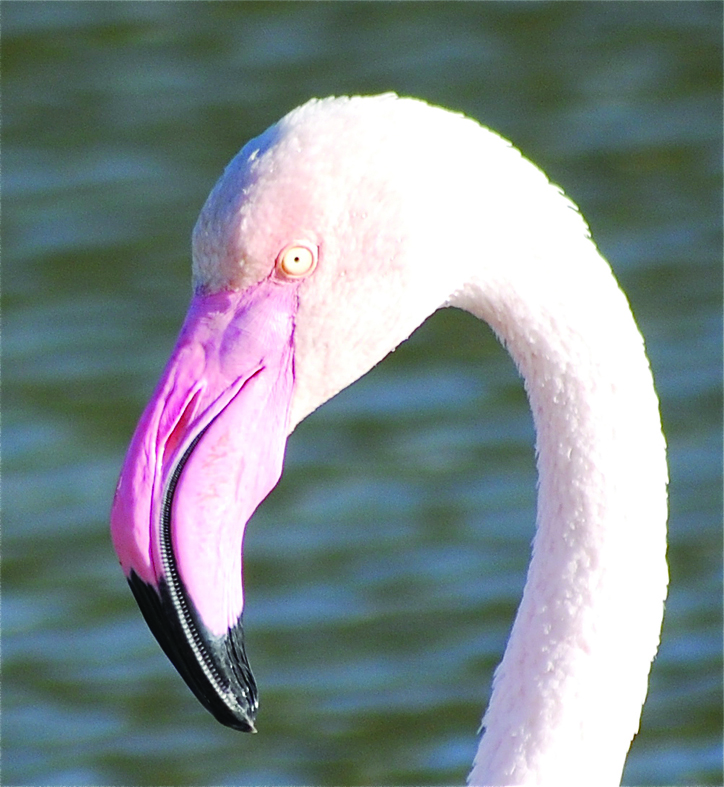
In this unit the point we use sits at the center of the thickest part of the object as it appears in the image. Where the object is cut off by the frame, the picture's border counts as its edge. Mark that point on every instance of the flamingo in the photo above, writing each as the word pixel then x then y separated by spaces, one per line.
pixel 325 243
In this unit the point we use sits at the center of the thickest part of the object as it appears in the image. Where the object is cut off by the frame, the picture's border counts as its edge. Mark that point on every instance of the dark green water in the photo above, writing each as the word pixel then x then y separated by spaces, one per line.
pixel 383 574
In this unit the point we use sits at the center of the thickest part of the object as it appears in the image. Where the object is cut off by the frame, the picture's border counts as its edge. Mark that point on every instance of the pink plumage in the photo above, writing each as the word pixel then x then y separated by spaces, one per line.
pixel 326 242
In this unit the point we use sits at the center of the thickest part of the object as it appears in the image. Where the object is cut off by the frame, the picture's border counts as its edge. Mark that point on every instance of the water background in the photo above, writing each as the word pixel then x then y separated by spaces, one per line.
pixel 383 573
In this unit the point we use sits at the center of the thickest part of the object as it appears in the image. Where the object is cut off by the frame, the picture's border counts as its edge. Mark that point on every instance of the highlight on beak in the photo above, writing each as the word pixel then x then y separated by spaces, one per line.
pixel 208 449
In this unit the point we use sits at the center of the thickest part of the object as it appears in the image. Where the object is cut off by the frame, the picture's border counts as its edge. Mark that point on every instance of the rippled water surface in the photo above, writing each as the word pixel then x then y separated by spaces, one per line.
pixel 383 573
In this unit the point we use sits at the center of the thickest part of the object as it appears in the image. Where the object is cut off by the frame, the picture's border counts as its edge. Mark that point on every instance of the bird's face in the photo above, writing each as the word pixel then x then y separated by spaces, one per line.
pixel 350 188
pixel 307 273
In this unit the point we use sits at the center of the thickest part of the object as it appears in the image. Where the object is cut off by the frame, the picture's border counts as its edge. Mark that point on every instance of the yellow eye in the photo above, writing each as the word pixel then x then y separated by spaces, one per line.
pixel 297 260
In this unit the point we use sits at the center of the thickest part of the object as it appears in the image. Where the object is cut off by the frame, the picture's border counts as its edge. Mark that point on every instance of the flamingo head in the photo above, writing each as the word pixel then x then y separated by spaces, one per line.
pixel 306 269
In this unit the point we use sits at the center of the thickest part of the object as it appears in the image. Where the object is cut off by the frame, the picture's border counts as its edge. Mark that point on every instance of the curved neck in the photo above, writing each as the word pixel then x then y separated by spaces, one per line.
pixel 568 694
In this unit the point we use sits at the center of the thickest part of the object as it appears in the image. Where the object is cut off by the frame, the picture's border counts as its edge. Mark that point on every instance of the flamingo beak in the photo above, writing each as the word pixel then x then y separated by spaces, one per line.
pixel 208 449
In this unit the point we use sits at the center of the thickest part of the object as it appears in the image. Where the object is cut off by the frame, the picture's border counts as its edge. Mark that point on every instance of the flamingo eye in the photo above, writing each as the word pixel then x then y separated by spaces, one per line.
pixel 297 259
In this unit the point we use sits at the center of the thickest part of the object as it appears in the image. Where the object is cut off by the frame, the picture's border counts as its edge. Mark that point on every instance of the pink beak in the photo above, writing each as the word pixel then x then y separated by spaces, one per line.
pixel 208 449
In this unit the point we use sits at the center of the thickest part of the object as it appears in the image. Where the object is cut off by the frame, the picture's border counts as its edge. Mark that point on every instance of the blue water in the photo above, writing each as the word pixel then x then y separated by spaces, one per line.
pixel 383 573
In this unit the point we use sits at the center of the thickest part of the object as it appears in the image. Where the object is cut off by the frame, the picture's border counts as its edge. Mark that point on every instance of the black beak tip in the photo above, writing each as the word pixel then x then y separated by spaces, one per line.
pixel 245 724
pixel 215 668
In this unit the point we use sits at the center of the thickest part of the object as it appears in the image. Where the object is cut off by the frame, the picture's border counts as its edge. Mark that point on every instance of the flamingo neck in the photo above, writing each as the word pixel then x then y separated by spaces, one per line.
pixel 567 697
